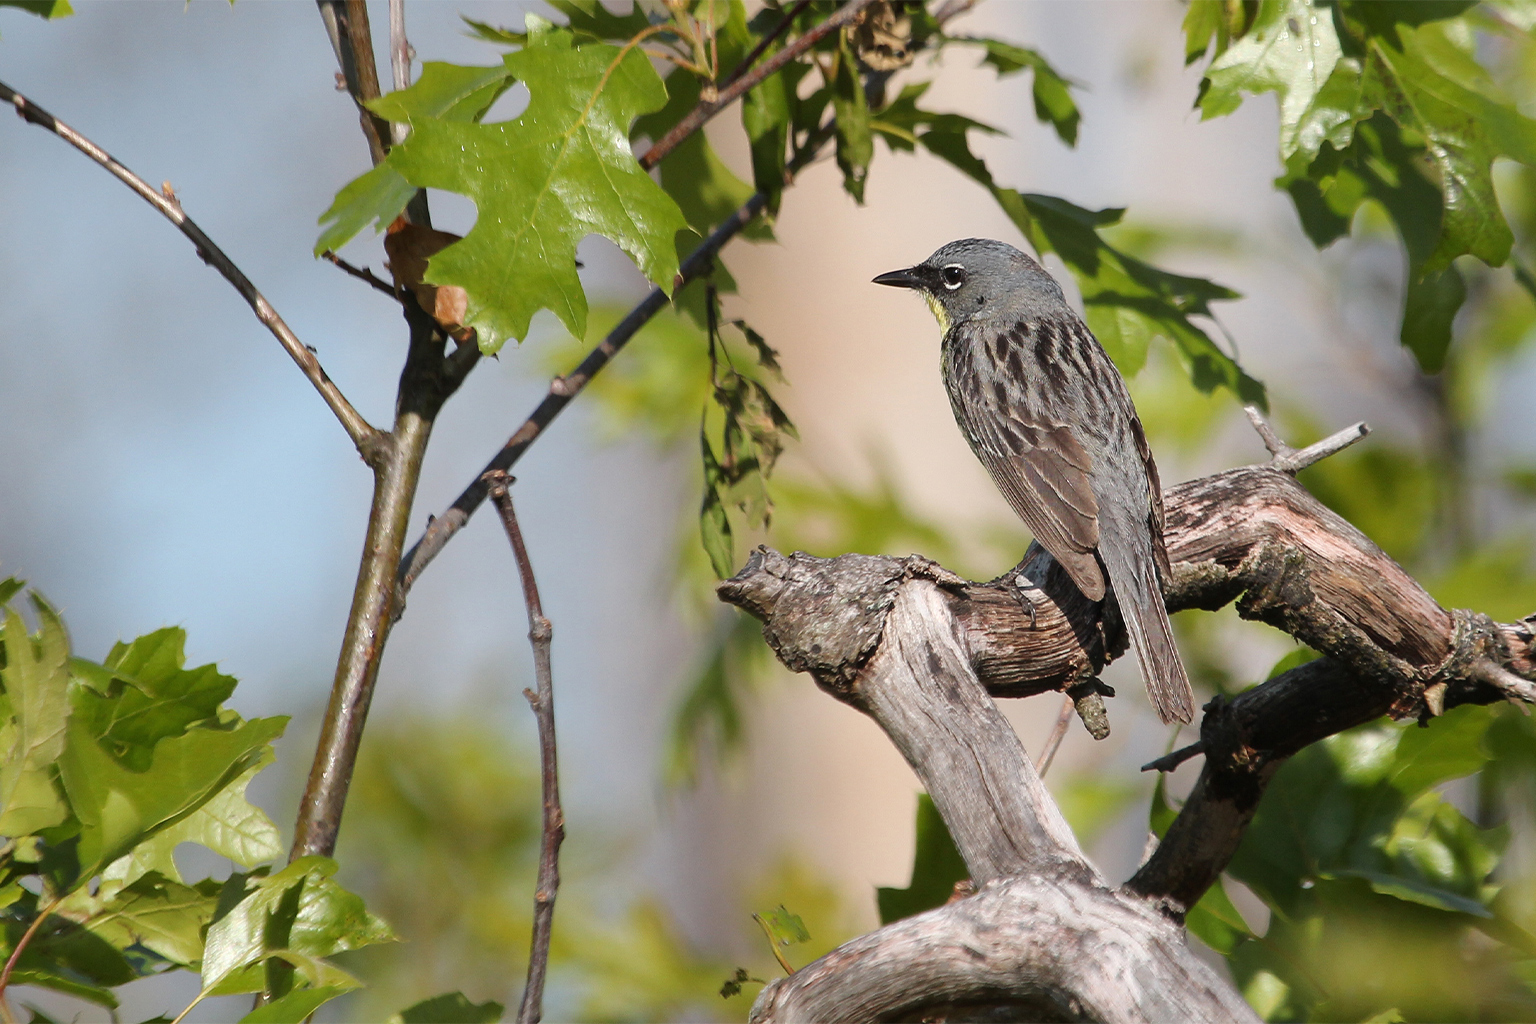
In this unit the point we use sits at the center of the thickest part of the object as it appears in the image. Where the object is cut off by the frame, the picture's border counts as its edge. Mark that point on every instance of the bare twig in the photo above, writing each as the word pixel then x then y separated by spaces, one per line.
pixel 399 61
pixel 364 435
pixel 709 108
pixel 1502 679
pixel 1058 733
pixel 1294 460
pixel 361 273
pixel 768 40
pixel 543 704
pixel 1168 762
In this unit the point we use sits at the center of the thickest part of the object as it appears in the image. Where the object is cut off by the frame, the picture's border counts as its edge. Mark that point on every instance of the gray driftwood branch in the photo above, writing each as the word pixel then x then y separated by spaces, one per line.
pixel 920 649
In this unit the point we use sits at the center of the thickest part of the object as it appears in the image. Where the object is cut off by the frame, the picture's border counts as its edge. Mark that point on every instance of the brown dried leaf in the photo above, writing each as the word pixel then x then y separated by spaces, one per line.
pixel 409 246
pixel 882 37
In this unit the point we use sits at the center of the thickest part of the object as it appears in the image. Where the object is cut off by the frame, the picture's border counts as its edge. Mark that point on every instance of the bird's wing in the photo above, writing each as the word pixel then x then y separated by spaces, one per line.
pixel 1155 518
pixel 1043 473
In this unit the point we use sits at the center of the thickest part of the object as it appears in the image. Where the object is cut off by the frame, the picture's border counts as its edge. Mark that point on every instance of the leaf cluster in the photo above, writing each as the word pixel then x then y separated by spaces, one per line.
pixel 1382 103
pixel 105 769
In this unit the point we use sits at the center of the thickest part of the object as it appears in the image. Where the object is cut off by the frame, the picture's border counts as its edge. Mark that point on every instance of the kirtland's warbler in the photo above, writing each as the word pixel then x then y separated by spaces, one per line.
pixel 1046 411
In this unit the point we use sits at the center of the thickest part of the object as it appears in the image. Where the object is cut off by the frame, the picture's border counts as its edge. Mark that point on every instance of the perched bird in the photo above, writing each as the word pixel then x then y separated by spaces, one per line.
pixel 1046 411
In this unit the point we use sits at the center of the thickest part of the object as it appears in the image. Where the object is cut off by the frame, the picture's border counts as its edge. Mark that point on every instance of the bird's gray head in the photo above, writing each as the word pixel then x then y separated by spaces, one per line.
pixel 978 278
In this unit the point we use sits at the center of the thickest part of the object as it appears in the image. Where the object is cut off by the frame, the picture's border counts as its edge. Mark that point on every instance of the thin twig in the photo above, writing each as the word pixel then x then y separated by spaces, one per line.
pixel 21 946
pixel 364 435
pixel 1168 762
pixel 1293 460
pixel 1512 686
pixel 361 273
pixel 768 40
pixel 399 61
pixel 543 703
pixel 708 109
pixel 1058 733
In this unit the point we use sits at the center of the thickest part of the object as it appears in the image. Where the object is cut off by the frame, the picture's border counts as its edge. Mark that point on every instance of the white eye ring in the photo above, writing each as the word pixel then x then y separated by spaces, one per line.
pixel 953 276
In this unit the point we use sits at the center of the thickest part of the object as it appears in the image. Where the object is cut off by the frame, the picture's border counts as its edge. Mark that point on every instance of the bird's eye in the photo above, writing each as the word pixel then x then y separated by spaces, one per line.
pixel 953 276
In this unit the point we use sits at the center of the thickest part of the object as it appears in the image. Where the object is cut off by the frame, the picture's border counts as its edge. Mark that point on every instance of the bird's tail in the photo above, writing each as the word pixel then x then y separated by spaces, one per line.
pixel 1132 573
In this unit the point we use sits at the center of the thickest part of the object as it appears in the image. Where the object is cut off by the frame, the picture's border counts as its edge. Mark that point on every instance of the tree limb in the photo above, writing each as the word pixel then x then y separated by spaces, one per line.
pixel 368 439
pixel 1250 535
pixel 543 703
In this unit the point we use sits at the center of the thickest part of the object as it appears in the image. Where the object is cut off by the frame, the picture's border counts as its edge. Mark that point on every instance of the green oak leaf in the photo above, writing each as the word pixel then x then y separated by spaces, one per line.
pixel 1054 104
pixel 119 807
pixel 855 144
pixel 36 680
pixel 452 1008
pixel 298 1005
pixel 298 915
pixel 155 912
pixel 1291 49
pixel 561 171
pixel 228 824
pixel 448 92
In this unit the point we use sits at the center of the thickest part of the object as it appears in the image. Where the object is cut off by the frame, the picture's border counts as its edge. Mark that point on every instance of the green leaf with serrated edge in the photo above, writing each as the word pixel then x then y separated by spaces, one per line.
pixel 452 1008
pixel 488 33
pixel 696 178
pixel 785 928
pixel 36 680
pixel 592 18
pixel 449 92
pixel 119 808
pixel 541 183
pixel 1291 49
pixel 228 824
pixel 97 994
pixel 49 9
pixel 161 915
pixel 296 1006
pixel 1054 104
pixel 1362 804
pixel 936 867
pixel 299 910
pixel 855 144
pixel 1216 922
pixel 768 115
pixel 446 92
pixel 9 588
pixel 151 697
pixel 377 196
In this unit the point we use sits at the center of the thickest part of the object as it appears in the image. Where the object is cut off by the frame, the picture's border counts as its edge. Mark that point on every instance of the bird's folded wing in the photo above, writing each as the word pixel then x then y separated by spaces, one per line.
pixel 1047 483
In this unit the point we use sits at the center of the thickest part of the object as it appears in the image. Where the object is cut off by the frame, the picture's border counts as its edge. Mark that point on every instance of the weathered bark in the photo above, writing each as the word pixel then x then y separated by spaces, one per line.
pixel 914 646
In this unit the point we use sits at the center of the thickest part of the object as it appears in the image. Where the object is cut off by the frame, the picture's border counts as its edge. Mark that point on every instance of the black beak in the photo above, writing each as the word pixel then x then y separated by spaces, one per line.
pixel 908 278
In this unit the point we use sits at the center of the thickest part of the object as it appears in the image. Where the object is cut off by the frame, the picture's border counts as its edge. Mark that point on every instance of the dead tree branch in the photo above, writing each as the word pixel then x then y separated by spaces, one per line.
pixel 1250 535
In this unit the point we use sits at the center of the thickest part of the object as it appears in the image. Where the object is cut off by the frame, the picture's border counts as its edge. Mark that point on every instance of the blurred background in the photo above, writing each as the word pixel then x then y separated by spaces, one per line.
pixel 163 463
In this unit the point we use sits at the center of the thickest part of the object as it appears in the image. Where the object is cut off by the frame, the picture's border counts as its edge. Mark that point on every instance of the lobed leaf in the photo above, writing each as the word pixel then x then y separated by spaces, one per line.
pixel 36 679
pixel 541 183
pixel 452 1008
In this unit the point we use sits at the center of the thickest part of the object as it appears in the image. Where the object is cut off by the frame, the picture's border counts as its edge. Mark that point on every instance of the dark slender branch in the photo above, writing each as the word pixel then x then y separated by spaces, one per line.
pixel 1168 762
pixel 543 703
pixel 768 40
pixel 708 109
pixel 367 438
pixel 1058 733
pixel 561 391
pixel 361 273
pixel 353 45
